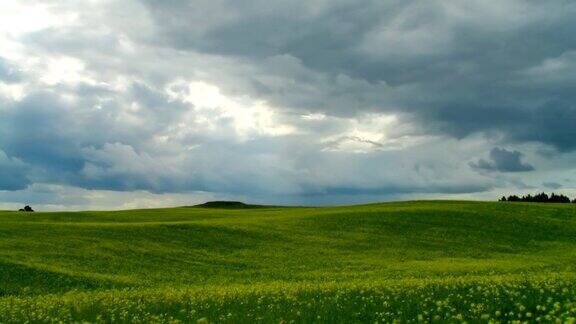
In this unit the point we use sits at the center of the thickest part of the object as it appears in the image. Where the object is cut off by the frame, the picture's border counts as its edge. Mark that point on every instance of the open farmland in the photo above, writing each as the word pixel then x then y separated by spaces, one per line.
pixel 410 261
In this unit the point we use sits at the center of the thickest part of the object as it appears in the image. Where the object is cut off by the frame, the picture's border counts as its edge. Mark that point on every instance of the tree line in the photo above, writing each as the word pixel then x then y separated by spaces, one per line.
pixel 541 197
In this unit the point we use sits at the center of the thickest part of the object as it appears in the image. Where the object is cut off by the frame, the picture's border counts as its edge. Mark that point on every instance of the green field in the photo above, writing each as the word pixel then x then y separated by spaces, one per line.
pixel 429 261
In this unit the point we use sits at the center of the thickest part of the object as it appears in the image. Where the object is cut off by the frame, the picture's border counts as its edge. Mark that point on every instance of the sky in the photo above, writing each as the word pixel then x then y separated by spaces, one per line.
pixel 139 103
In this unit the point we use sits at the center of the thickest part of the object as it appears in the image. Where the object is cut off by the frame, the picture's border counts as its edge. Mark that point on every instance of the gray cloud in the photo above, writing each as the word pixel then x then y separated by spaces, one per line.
pixel 458 68
pixel 454 79
pixel 552 185
pixel 95 148
pixel 13 173
pixel 502 160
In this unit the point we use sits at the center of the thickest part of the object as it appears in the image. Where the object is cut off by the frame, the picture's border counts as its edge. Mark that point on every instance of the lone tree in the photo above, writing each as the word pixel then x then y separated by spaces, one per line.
pixel 26 209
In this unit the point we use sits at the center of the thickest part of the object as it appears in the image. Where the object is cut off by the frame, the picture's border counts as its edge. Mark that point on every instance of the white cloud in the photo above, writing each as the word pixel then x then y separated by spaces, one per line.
pixel 248 117
pixel 17 18
pixel 63 70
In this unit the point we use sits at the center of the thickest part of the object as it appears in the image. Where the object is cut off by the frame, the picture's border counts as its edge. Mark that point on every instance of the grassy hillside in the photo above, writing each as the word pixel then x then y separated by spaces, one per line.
pixel 292 264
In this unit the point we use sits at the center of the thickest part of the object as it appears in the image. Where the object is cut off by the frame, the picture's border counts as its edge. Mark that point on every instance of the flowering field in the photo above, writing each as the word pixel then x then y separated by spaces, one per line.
pixel 497 299
pixel 404 262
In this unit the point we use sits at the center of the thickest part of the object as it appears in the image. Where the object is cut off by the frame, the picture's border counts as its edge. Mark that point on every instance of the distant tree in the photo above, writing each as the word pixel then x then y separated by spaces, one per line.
pixel 527 198
pixel 554 198
pixel 513 198
pixel 28 209
pixel 541 198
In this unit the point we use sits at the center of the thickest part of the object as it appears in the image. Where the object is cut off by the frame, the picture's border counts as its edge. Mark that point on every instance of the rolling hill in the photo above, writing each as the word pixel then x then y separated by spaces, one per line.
pixel 272 264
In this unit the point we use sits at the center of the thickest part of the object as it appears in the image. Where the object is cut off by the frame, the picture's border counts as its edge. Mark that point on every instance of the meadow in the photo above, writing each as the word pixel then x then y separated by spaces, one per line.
pixel 419 261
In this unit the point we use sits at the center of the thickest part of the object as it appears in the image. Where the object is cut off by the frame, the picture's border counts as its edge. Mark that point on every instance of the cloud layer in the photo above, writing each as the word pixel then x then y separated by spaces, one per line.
pixel 303 102
pixel 503 160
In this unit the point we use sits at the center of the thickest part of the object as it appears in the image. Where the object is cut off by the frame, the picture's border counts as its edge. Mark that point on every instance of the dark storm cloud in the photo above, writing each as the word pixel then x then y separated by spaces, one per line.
pixel 553 123
pixel 13 174
pixel 37 131
pixel 262 29
pixel 502 160
pixel 69 142
pixel 457 67
pixel 380 98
